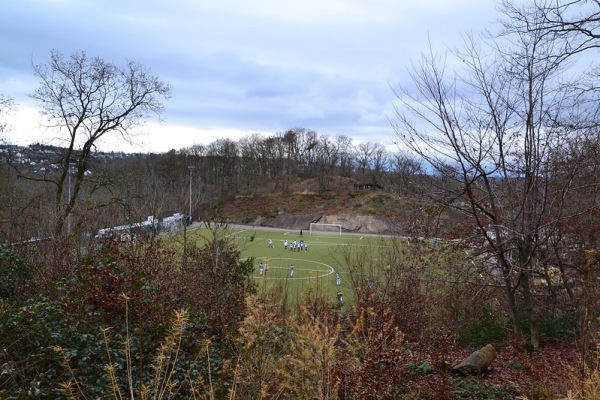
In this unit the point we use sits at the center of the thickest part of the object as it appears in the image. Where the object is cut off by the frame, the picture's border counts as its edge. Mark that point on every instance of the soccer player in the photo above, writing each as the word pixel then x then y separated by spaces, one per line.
pixel 292 269
pixel 338 279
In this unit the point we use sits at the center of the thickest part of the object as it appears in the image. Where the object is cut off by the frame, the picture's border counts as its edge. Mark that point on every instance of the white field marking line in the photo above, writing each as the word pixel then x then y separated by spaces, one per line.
pixel 267 277
pixel 236 233
pixel 299 269
pixel 331 270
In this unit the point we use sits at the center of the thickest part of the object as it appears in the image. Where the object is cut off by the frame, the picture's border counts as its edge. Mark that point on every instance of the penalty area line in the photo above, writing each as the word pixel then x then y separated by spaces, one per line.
pixel 236 233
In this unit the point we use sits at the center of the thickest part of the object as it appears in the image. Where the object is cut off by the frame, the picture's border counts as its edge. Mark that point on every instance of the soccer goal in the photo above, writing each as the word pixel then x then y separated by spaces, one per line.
pixel 325 228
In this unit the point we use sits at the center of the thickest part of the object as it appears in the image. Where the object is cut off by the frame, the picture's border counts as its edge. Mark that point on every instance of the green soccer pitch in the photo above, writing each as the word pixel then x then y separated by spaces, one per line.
pixel 314 269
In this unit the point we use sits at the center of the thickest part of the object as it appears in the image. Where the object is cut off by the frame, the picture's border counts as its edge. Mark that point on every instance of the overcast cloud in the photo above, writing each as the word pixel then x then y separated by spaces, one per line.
pixel 239 67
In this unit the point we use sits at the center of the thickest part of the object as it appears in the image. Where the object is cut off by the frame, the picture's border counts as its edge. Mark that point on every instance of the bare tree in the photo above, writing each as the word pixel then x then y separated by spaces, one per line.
pixel 362 158
pixel 379 164
pixel 223 157
pixel 345 150
pixel 10 207
pixel 85 99
pixel 490 132
pixel 323 162
pixel 371 161
pixel 404 168
pixel 6 105
pixel 575 24
pixel 250 172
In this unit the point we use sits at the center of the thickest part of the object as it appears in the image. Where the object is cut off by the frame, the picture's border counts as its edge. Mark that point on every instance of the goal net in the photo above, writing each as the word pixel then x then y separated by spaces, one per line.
pixel 325 228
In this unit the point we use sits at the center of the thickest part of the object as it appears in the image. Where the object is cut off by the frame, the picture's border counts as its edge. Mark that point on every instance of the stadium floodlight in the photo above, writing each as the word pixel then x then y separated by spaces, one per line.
pixel 190 169
pixel 325 228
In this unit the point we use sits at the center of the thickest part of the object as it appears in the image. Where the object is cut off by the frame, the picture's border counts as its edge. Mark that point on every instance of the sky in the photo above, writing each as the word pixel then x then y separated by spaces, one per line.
pixel 238 67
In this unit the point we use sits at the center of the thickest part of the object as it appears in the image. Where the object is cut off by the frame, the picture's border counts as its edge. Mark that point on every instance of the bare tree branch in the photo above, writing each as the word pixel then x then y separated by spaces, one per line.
pixel 84 99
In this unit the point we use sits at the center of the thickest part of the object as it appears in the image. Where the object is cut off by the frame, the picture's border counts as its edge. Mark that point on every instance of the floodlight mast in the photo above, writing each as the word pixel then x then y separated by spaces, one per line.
pixel 190 169
pixel 69 199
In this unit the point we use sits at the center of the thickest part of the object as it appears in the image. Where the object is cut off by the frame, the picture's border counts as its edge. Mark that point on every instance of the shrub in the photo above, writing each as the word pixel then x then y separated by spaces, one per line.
pixel 424 368
pixel 488 328
pixel 560 327
pixel 474 388
pixel 15 276
pixel 30 368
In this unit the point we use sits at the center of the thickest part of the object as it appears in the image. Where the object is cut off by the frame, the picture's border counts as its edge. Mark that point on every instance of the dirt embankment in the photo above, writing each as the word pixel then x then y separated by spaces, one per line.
pixel 360 211
pixel 349 222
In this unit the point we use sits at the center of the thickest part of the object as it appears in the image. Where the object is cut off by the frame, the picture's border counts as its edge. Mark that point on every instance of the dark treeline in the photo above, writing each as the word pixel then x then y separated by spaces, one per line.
pixel 256 160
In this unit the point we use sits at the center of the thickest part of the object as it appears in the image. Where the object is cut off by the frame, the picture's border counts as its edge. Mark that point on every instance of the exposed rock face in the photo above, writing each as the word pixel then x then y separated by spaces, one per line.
pixel 357 223
pixel 477 362
pixel 351 223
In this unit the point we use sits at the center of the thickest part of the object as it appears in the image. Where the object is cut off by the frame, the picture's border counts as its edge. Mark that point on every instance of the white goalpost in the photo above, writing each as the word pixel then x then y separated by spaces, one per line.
pixel 325 228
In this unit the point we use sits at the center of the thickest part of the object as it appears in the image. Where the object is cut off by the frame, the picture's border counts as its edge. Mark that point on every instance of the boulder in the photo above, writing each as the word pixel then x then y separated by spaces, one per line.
pixel 477 362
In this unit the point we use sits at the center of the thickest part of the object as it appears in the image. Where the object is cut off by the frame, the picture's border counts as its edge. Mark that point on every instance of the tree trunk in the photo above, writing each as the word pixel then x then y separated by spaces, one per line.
pixel 534 328
pixel 512 303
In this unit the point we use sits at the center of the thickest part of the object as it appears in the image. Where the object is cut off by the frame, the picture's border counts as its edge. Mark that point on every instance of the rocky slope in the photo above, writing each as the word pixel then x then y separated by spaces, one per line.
pixel 349 222
pixel 360 211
